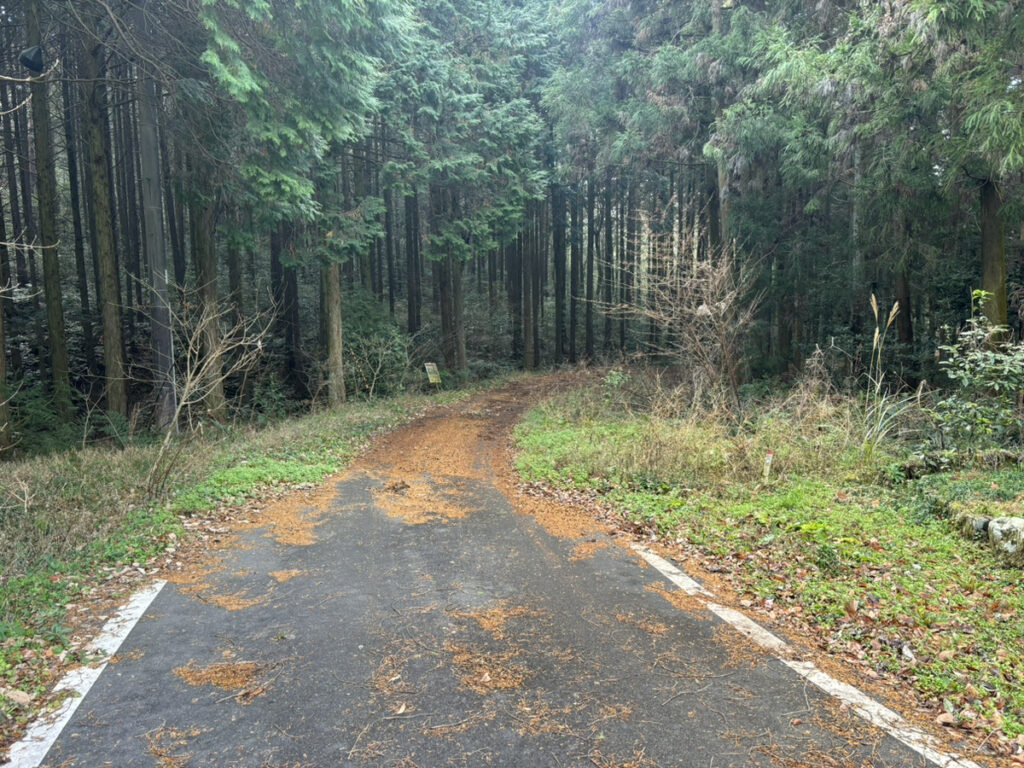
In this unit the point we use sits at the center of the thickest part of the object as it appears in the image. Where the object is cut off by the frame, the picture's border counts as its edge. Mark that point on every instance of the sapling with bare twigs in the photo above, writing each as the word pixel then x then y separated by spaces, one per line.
pixel 202 370
pixel 703 309
pixel 380 356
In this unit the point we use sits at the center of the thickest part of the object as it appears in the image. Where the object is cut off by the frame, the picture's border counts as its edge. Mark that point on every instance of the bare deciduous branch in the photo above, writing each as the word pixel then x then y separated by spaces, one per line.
pixel 199 369
pixel 702 308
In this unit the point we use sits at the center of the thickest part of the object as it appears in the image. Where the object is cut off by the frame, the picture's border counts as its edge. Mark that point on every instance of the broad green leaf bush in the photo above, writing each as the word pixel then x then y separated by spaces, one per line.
pixel 983 410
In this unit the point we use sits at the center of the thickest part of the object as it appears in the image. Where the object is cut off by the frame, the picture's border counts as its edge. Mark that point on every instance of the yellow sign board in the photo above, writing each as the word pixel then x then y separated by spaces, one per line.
pixel 433 375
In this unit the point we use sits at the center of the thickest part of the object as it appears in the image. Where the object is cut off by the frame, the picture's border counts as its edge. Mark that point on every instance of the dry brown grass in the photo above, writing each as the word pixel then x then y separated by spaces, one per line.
pixel 51 505
pixel 236 601
pixel 449 729
pixel 133 655
pixel 586 549
pixel 638 759
pixel 649 429
pixel 54 506
pixel 678 598
pixel 415 501
pixel 741 650
pixel 537 716
pixel 387 677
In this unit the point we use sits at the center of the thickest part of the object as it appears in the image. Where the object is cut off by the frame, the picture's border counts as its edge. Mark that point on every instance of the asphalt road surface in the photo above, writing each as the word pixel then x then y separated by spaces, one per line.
pixel 411 615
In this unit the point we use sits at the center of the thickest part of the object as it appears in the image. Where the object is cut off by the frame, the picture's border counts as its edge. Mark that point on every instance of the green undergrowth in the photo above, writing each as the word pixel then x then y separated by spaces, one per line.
pixel 69 520
pixel 829 539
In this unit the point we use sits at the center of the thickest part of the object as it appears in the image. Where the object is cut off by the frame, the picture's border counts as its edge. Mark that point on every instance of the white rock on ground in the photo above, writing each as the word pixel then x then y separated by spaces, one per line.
pixel 1006 534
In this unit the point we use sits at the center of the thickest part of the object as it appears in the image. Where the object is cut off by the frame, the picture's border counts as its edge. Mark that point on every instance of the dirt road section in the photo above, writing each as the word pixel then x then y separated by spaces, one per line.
pixel 431 614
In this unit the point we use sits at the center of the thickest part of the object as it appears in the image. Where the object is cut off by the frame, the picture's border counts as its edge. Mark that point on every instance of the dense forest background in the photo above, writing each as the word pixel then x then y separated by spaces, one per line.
pixel 223 208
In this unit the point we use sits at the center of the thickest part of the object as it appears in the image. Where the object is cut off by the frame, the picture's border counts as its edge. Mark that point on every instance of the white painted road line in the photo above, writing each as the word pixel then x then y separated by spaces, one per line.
pixel 33 746
pixel 670 572
pixel 880 715
pixel 869 709
pixel 751 629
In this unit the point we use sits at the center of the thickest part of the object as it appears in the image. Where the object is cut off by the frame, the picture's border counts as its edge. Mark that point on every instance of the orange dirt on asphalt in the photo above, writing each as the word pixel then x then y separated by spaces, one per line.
pixel 420 467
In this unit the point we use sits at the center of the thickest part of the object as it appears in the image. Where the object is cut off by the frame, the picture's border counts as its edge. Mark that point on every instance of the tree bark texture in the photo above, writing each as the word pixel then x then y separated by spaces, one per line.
pixel 93 101
pixel 156 252
pixel 6 430
pixel 389 246
pixel 333 323
pixel 529 359
pixel 412 263
pixel 993 253
pixel 204 219
pixel 514 254
pixel 588 343
pixel 575 256
pixel 81 271
pixel 608 261
pixel 558 244
pixel 10 147
pixel 48 214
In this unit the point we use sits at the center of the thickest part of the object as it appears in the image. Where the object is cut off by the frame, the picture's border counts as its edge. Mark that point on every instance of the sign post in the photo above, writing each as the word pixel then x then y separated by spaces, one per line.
pixel 433 375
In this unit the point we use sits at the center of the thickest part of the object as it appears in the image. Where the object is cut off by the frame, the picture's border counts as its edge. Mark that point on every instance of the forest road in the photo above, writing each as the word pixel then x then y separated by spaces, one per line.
pixel 420 611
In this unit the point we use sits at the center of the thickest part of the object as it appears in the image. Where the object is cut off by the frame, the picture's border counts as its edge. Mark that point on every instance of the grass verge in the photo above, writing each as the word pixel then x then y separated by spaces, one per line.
pixel 823 540
pixel 72 522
